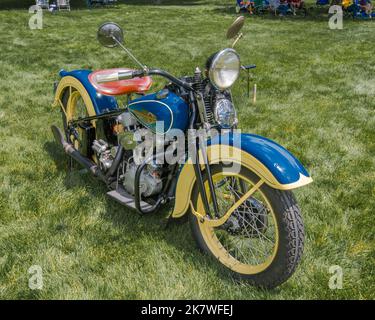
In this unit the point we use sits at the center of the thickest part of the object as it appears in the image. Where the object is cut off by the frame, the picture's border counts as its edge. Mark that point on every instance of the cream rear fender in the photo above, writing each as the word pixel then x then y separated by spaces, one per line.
pixel 267 159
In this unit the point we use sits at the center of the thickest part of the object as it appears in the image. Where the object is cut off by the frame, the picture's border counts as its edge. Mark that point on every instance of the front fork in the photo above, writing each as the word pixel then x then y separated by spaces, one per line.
pixel 199 145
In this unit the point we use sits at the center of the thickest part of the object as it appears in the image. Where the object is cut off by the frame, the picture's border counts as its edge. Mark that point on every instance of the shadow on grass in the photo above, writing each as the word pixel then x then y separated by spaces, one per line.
pixel 157 226
pixel 75 175
pixel 57 154
pixel 174 232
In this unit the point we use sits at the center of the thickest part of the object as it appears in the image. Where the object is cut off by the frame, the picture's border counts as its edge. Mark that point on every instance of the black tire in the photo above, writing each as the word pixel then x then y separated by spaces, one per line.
pixel 290 228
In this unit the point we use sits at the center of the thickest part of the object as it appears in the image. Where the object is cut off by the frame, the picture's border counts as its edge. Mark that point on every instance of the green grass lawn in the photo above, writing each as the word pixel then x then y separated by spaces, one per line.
pixel 316 96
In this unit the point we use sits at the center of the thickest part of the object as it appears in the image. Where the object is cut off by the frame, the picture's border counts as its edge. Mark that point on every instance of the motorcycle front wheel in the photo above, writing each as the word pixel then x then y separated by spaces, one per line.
pixel 262 240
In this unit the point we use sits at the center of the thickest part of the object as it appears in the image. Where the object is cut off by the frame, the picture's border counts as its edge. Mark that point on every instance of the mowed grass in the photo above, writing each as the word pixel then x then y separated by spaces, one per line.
pixel 316 96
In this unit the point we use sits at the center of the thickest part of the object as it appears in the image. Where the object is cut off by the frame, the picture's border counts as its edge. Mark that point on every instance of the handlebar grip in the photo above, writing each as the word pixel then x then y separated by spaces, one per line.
pixel 115 76
pixel 126 75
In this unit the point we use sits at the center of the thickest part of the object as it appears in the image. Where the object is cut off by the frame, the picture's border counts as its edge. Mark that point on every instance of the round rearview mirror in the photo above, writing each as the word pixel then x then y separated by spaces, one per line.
pixel 110 35
pixel 235 28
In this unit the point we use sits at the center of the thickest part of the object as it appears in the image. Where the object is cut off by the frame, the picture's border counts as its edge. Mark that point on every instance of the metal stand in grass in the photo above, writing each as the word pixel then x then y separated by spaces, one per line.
pixel 248 68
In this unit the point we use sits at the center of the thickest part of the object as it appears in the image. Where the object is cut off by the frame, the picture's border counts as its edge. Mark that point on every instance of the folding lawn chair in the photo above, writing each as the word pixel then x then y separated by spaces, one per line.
pixel 261 6
pixel 44 4
pixel 298 7
pixel 243 6
pixel 361 11
pixel 63 5
pixel 274 5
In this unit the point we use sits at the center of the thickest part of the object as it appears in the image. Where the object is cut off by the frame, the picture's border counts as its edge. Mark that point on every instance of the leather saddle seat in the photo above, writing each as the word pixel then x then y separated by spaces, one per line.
pixel 119 87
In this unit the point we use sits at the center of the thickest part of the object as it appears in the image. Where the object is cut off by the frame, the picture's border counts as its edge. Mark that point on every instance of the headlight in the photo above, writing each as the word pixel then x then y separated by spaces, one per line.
pixel 225 114
pixel 224 69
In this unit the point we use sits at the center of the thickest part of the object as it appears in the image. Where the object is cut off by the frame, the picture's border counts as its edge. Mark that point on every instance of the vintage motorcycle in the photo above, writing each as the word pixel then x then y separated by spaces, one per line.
pixel 234 187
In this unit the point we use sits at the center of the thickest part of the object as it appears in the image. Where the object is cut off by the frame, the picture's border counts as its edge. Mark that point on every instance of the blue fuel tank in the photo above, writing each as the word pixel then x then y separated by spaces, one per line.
pixel 163 106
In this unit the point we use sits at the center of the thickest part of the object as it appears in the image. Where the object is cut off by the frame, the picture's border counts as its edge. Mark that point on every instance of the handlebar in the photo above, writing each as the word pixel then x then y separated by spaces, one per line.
pixel 162 73
pixel 116 76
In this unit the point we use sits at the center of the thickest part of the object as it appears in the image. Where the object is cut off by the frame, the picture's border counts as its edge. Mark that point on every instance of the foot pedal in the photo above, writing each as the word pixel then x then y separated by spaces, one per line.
pixel 126 199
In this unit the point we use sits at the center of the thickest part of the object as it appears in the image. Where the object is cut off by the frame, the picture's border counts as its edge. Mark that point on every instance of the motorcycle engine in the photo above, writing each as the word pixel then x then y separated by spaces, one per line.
pixel 133 134
pixel 104 153
pixel 150 180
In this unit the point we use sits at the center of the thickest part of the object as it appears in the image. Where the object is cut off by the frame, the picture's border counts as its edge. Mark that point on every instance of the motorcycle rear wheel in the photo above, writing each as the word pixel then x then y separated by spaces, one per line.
pixel 75 107
pixel 280 237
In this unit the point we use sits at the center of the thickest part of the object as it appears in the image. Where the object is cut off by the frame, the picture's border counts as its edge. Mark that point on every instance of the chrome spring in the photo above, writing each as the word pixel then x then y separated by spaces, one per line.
pixel 199 85
pixel 209 113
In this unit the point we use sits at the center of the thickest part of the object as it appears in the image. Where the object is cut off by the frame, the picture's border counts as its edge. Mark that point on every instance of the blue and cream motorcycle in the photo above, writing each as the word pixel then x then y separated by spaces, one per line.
pixel 181 146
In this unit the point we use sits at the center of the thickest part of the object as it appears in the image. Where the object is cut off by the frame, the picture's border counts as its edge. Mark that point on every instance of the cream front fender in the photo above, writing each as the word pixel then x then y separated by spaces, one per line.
pixel 279 168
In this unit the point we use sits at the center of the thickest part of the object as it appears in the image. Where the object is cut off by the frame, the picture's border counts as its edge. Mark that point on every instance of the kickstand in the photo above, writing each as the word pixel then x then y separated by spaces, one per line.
pixel 168 220
pixel 167 223
pixel 70 164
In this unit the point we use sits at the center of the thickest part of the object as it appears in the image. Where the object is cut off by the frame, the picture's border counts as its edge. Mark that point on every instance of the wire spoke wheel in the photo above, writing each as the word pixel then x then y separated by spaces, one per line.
pixel 248 239
pixel 257 242
pixel 76 106
pixel 76 109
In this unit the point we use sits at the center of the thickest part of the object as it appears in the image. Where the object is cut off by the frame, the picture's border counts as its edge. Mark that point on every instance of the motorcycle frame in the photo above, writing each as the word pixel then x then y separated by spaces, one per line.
pixel 108 178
